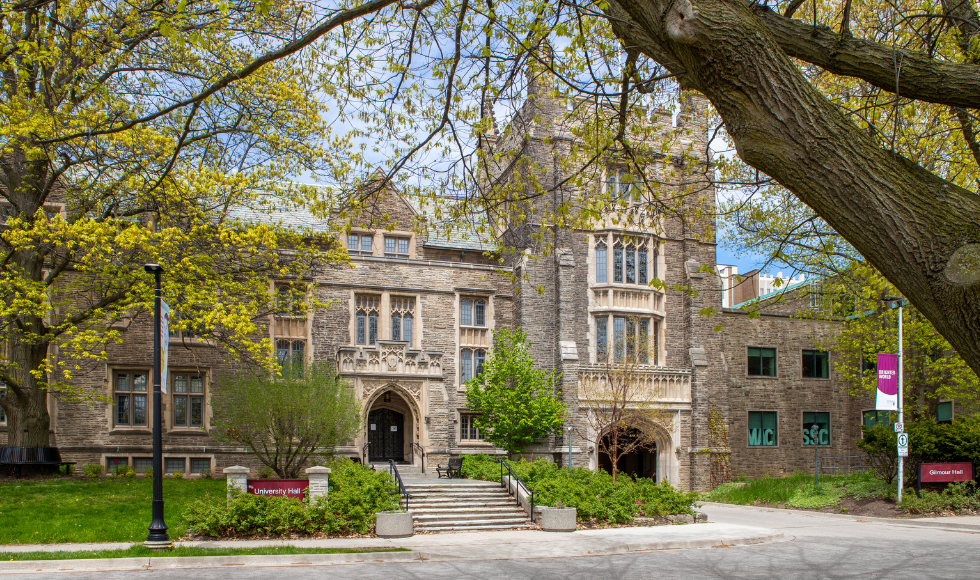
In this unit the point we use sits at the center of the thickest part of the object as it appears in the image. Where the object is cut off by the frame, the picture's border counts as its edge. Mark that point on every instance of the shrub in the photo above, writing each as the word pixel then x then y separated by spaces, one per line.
pixel 592 493
pixel 148 473
pixel 866 485
pixel 878 443
pixel 92 470
pixel 815 496
pixel 205 473
pixel 956 497
pixel 356 493
pixel 178 475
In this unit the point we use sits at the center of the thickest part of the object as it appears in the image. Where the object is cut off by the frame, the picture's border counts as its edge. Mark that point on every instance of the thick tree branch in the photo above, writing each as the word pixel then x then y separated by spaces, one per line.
pixel 922 78
pixel 916 228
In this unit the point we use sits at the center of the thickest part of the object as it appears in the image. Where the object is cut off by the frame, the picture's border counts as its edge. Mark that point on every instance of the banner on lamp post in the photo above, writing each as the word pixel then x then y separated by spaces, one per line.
pixel 164 343
pixel 887 399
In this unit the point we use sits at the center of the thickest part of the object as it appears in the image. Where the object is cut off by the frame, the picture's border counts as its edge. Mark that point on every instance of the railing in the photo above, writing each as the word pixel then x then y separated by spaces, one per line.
pixel 418 447
pixel 365 460
pixel 519 484
pixel 848 463
pixel 398 478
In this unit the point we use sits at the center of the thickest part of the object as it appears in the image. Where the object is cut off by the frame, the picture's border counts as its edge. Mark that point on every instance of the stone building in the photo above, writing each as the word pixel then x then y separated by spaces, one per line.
pixel 414 318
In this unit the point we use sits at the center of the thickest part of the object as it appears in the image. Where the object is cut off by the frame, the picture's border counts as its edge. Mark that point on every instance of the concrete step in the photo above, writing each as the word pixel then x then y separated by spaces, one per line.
pixel 451 506
pixel 477 528
pixel 458 519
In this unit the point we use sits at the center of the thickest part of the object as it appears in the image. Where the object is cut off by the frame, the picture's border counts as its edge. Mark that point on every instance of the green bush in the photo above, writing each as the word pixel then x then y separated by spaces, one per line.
pixel 956 497
pixel 592 493
pixel 356 493
pixel 92 470
pixel 865 485
pixel 148 473
pixel 815 496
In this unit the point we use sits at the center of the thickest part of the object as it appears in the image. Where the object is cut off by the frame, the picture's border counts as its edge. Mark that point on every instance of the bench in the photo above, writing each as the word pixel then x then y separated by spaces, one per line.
pixel 455 467
pixel 32 457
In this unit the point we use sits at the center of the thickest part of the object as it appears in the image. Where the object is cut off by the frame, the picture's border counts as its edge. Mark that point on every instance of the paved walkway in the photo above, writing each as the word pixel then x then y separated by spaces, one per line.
pixel 434 547
pixel 966 523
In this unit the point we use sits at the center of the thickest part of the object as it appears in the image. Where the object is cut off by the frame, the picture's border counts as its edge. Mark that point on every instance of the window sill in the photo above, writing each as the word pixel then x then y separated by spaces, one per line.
pixel 763 446
pixel 761 376
pixel 187 431
pixel 815 378
pixel 471 443
pixel 123 430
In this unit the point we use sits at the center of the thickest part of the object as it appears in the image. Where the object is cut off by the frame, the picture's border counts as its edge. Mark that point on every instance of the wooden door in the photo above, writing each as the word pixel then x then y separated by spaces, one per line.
pixel 386 435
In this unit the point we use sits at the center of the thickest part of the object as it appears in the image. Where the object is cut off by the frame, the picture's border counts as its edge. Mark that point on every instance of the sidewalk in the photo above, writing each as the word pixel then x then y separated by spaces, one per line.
pixel 959 523
pixel 528 544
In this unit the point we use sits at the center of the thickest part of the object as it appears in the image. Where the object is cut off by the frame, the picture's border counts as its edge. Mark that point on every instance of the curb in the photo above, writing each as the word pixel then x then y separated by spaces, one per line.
pixel 165 563
pixel 448 553
pixel 953 526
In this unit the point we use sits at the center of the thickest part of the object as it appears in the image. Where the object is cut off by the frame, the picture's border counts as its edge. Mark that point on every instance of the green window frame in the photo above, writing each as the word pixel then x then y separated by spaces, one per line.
pixel 822 420
pixel 762 362
pixel 816 364
pixel 763 429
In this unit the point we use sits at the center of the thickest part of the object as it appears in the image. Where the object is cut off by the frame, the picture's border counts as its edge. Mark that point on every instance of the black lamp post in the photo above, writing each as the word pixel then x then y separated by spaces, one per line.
pixel 158 537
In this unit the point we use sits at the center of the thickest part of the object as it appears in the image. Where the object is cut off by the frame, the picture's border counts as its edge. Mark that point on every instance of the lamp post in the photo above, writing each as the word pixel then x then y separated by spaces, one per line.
pixel 892 301
pixel 814 433
pixel 158 537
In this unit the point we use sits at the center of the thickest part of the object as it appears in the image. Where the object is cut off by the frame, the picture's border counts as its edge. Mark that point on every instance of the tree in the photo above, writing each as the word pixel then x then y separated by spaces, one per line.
pixel 288 420
pixel 136 132
pixel 914 225
pixel 933 371
pixel 621 412
pixel 515 400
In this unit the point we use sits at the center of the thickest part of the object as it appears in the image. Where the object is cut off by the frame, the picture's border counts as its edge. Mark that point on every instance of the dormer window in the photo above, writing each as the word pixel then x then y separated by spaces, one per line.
pixel 396 247
pixel 359 244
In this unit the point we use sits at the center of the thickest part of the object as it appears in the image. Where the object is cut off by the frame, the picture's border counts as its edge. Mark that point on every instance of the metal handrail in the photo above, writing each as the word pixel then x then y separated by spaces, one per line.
pixel 422 452
pixel 393 469
pixel 364 452
pixel 517 495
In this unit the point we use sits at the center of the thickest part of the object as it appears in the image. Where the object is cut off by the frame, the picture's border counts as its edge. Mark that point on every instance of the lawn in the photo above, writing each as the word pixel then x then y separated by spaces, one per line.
pixel 144 552
pixel 798 490
pixel 63 510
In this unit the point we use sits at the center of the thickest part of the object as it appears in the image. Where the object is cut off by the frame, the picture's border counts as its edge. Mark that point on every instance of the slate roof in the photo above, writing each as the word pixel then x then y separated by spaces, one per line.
pixel 465 231
pixel 463 235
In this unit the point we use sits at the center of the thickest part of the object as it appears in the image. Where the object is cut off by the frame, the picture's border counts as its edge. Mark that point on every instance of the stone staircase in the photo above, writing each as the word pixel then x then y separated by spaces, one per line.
pixel 462 505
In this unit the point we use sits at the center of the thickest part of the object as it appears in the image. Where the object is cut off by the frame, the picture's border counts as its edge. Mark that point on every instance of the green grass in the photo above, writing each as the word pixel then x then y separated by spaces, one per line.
pixel 97 510
pixel 144 552
pixel 798 490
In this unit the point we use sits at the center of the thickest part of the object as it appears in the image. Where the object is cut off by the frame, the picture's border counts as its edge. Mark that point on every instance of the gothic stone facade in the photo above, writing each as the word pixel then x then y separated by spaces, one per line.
pixel 414 317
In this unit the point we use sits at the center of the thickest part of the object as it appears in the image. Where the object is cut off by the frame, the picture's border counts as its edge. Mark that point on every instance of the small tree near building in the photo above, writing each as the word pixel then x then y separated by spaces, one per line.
pixel 516 402
pixel 287 420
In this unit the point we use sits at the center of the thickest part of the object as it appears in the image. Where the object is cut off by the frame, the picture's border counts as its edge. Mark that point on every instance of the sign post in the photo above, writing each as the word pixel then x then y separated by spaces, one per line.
pixel 885 387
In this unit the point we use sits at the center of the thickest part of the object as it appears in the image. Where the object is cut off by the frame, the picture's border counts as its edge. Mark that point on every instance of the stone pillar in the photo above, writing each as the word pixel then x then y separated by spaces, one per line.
pixel 318 476
pixel 237 477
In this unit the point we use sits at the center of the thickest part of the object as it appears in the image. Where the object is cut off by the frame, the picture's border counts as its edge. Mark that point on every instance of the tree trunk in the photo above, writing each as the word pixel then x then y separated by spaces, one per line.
pixel 920 231
pixel 28 421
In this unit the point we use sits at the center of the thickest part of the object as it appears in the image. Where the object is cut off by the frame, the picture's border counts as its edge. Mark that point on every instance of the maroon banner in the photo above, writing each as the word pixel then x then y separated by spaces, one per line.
pixel 279 487
pixel 945 472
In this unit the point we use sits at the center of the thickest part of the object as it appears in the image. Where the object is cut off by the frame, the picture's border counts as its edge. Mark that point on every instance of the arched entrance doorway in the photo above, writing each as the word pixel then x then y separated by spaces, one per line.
pixel 391 426
pixel 639 462
pixel 386 435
